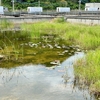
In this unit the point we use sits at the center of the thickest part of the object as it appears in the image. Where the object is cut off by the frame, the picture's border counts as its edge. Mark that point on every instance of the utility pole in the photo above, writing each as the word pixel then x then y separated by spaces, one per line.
pixel 13 6
pixel 39 3
pixel 79 4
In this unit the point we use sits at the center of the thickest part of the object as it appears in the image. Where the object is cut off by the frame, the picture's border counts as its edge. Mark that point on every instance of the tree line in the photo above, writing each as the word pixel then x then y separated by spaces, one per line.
pixel 47 4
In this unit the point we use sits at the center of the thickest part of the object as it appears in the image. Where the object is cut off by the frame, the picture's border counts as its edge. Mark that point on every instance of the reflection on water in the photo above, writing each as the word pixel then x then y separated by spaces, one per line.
pixel 37 82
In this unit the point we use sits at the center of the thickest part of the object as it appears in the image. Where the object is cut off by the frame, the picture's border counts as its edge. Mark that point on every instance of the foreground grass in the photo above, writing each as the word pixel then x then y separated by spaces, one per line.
pixel 88 69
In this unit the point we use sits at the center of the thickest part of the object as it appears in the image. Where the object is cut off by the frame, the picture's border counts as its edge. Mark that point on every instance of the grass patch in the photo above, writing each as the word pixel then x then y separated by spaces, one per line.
pixel 88 68
pixel 84 35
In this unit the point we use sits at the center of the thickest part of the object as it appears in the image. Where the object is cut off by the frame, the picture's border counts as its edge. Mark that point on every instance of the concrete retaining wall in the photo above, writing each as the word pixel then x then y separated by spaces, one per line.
pixel 82 20
pixel 85 21
pixel 26 20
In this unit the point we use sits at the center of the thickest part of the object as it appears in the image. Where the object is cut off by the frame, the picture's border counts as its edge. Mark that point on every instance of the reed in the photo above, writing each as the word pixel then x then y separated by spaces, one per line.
pixel 33 30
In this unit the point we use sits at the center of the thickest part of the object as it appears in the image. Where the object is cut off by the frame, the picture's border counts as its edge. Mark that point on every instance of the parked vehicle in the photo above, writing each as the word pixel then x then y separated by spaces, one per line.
pixel 63 9
pixel 1 10
pixel 34 9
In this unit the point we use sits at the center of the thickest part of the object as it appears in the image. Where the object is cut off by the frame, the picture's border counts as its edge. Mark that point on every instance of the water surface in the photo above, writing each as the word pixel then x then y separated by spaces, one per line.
pixel 38 82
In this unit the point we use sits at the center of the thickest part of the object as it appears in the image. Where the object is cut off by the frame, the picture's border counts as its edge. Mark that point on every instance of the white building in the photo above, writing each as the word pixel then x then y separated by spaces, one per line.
pixel 92 7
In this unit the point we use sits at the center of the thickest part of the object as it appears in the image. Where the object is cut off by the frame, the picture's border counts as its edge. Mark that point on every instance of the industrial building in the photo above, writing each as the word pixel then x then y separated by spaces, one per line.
pixel 92 7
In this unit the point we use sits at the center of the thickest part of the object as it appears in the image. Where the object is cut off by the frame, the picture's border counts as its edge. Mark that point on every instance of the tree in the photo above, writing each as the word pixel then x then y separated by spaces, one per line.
pixel 84 1
pixel 63 3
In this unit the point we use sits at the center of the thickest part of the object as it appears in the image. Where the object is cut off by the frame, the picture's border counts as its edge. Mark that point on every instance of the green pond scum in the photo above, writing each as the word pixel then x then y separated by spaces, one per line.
pixel 17 50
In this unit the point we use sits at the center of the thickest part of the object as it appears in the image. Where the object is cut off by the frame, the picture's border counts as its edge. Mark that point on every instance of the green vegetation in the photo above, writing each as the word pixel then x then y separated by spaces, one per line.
pixel 84 35
pixel 46 4
pixel 31 43
pixel 88 70
pixel 4 24
pixel 87 37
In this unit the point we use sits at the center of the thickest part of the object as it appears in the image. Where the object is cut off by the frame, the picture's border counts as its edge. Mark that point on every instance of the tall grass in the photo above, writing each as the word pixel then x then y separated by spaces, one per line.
pixel 84 35
pixel 5 24
pixel 9 40
pixel 88 68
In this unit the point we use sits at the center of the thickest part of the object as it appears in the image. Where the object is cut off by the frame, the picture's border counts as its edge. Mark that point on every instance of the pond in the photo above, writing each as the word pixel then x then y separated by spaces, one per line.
pixel 39 82
pixel 39 68
pixel 17 49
